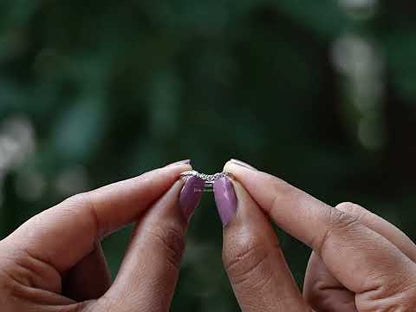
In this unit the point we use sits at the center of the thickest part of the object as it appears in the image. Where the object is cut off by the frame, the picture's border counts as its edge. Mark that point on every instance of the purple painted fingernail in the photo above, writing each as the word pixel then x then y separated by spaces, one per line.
pixel 191 195
pixel 242 163
pixel 225 199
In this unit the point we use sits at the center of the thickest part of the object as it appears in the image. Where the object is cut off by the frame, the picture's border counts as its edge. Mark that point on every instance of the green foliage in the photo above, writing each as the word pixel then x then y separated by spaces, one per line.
pixel 115 88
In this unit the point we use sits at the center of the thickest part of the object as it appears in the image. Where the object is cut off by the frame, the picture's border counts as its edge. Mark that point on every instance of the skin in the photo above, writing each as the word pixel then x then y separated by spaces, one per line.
pixel 54 261
pixel 360 262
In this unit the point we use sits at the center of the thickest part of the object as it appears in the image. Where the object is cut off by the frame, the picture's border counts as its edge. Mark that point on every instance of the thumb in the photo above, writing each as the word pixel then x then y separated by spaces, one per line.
pixel 85 218
pixel 149 272
pixel 253 259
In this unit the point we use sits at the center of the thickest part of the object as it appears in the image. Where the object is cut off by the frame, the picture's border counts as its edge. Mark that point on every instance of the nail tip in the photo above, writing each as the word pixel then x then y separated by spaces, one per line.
pixel 180 162
pixel 225 199
pixel 241 163
pixel 184 162
pixel 190 196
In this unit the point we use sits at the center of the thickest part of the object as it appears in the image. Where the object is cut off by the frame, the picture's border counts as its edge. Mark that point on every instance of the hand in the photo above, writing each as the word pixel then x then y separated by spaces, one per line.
pixel 359 262
pixel 54 262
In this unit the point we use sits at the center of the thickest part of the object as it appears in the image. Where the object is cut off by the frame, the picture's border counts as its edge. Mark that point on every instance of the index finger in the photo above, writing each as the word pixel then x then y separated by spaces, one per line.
pixel 64 234
pixel 339 239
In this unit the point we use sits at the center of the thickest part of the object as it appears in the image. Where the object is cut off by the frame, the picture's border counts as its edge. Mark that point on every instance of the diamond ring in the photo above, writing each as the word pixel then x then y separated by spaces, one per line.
pixel 208 178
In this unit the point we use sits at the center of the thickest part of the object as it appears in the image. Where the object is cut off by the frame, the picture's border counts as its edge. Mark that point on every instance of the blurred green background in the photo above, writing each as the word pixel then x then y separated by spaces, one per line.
pixel 320 93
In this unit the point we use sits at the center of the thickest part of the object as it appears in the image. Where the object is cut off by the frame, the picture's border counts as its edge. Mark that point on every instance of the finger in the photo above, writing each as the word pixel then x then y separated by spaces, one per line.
pixel 333 234
pixel 149 272
pixel 88 279
pixel 83 219
pixel 322 290
pixel 254 262
pixel 382 227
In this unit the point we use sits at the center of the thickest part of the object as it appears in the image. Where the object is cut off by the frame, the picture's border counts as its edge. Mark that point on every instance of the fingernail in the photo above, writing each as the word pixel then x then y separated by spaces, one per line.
pixel 242 163
pixel 225 199
pixel 181 162
pixel 191 195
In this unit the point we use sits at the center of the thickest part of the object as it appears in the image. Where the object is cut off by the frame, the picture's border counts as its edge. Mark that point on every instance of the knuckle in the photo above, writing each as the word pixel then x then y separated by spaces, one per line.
pixel 317 293
pixel 12 288
pixel 283 193
pixel 20 270
pixel 72 205
pixel 351 208
pixel 78 199
pixel 170 239
pixel 398 294
pixel 322 296
pixel 338 223
pixel 246 261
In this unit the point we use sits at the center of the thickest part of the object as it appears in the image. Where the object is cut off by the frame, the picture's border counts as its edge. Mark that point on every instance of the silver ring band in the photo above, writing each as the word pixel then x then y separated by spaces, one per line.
pixel 208 178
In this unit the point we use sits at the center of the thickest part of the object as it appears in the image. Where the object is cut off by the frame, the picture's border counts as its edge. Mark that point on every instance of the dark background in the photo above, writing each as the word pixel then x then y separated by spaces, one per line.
pixel 320 93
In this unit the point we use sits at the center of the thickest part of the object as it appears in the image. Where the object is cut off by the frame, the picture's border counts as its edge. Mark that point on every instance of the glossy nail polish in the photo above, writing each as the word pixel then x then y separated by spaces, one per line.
pixel 225 199
pixel 242 163
pixel 190 195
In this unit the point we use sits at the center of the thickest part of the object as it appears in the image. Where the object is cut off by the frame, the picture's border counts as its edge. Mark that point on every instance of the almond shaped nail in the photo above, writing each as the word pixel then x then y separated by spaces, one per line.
pixel 225 199
pixel 190 195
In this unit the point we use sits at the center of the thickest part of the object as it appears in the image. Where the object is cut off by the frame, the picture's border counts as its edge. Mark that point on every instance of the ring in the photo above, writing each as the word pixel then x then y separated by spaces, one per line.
pixel 208 178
